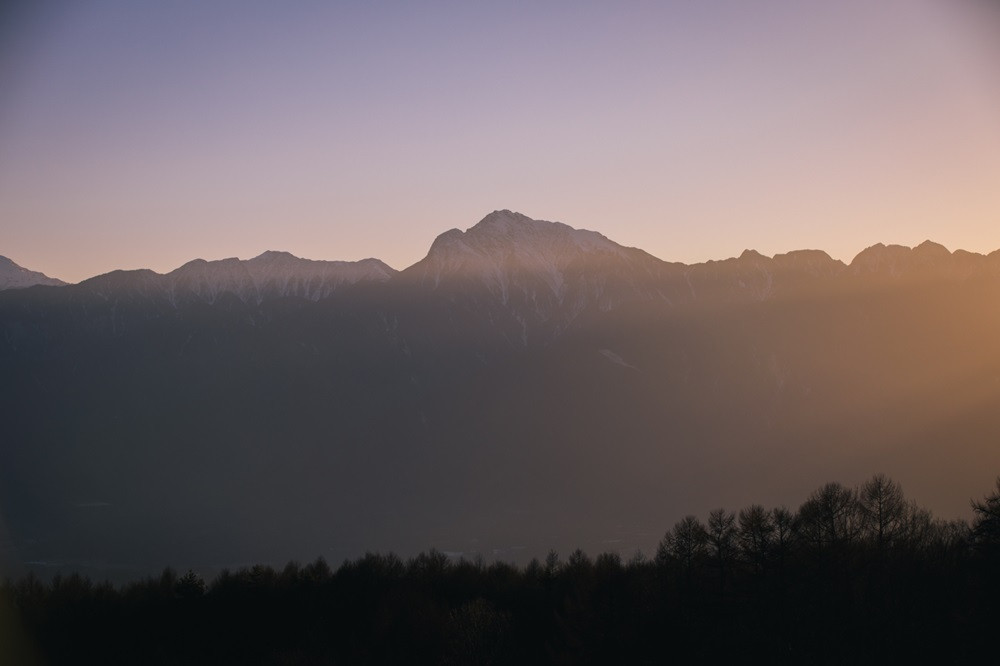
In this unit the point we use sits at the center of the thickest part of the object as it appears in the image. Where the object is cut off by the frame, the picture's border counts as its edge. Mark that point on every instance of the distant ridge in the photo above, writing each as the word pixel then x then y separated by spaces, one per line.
pixel 268 275
pixel 510 253
pixel 13 276
pixel 272 274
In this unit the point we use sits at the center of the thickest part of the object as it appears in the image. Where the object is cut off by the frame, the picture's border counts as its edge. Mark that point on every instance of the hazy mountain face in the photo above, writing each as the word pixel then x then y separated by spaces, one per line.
pixel 526 386
pixel 13 276
pixel 270 275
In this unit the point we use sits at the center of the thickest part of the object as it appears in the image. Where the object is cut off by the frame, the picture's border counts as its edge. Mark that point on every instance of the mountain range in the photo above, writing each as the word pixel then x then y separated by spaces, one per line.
pixel 525 386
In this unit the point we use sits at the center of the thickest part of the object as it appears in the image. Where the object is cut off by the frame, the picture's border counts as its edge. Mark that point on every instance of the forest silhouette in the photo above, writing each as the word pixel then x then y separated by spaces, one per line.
pixel 855 575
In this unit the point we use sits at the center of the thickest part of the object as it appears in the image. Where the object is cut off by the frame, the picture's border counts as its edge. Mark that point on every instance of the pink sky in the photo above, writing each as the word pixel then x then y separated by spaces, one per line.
pixel 134 136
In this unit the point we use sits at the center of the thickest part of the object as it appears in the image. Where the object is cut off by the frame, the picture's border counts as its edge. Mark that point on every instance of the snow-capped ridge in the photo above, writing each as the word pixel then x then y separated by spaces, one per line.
pixel 276 255
pixel 519 229
pixel 506 248
pixel 542 274
pixel 271 274
pixel 268 275
pixel 13 276
pixel 540 270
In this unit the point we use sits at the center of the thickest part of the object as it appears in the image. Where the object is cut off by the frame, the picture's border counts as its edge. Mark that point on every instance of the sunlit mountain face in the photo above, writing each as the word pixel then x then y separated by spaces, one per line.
pixel 13 276
pixel 525 386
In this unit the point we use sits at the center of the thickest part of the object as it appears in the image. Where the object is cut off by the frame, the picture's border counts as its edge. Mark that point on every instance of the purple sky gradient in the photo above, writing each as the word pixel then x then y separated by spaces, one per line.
pixel 138 134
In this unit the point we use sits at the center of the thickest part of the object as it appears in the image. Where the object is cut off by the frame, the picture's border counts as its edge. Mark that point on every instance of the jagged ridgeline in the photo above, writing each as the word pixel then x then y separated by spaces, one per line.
pixel 526 386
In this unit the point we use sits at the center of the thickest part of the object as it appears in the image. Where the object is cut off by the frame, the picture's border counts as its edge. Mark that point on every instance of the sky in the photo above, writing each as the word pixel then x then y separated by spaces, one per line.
pixel 143 135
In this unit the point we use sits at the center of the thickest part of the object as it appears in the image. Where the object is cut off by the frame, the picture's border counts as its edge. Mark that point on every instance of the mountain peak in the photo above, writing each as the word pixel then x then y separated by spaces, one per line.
pixel 275 255
pixel 13 276
pixel 504 236
pixel 535 264
pixel 875 257
pixel 504 221
pixel 513 230
pixel 505 215
pixel 932 249
pixel 897 260
pixel 812 262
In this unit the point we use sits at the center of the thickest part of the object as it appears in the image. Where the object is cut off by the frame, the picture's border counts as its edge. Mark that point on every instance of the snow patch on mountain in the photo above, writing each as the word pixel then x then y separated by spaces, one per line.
pixel 508 249
pixel 13 276
pixel 616 358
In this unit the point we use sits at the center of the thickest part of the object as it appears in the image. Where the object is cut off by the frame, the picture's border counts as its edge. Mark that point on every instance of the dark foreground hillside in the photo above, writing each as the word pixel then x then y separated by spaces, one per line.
pixel 854 576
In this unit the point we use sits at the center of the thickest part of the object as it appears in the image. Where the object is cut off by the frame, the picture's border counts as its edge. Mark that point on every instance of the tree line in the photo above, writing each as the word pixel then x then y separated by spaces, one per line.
pixel 855 575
